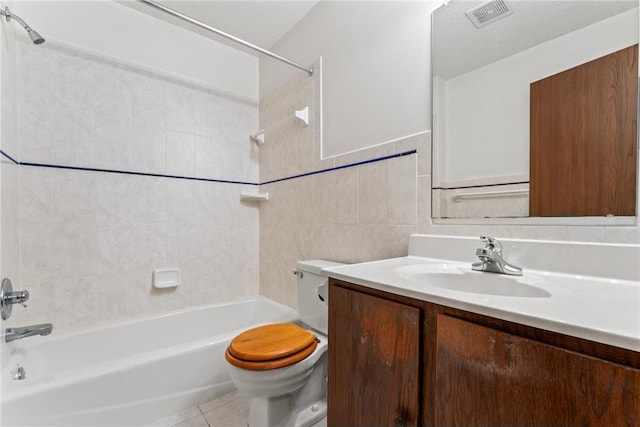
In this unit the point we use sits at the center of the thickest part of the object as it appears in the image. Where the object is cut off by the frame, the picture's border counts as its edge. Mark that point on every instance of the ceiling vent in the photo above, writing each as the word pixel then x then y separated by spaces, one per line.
pixel 489 12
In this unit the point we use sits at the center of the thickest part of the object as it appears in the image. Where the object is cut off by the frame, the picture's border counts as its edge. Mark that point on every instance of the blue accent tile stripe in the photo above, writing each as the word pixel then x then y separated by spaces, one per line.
pixel 14 161
pixel 157 175
pixel 349 165
pixel 224 181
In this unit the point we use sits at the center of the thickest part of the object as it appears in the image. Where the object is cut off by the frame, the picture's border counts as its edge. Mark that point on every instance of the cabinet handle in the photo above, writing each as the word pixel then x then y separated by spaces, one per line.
pixel 398 420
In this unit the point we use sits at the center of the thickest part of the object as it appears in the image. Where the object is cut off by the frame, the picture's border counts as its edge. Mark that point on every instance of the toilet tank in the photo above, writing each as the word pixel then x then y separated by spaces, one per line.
pixel 313 293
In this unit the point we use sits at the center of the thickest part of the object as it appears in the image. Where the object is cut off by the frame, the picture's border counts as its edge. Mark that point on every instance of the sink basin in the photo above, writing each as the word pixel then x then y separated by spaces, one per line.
pixel 414 270
pixel 486 283
pixel 462 279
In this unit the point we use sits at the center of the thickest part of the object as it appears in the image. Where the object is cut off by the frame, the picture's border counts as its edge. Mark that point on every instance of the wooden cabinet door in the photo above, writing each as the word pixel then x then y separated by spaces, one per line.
pixel 485 377
pixel 374 361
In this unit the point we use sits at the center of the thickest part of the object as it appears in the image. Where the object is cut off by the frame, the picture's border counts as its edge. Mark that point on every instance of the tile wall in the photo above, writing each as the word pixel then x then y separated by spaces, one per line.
pixel 90 240
pixel 80 110
pixel 362 206
pixel 363 210
pixel 9 174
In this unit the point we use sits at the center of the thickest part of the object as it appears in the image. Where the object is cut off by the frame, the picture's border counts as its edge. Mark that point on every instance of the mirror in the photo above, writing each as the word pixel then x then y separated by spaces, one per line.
pixel 499 146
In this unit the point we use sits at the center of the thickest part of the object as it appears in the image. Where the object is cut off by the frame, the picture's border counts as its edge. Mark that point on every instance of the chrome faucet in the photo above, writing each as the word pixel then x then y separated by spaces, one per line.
pixel 8 297
pixel 12 334
pixel 491 259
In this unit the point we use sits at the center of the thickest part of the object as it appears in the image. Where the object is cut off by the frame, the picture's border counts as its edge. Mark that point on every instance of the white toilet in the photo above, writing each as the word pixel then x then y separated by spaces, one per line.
pixel 283 367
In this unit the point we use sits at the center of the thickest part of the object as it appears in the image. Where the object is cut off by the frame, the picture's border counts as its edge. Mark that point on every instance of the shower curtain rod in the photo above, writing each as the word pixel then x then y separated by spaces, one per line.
pixel 228 36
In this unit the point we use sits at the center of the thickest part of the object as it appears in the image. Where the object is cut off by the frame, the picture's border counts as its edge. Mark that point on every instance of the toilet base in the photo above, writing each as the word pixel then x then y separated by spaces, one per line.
pixel 301 408
pixel 277 412
pixel 313 416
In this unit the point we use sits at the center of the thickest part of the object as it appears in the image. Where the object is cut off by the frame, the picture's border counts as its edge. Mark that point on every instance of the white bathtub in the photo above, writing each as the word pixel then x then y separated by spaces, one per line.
pixel 129 374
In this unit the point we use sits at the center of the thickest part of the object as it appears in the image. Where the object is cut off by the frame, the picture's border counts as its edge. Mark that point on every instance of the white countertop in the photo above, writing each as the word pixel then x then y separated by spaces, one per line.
pixel 593 308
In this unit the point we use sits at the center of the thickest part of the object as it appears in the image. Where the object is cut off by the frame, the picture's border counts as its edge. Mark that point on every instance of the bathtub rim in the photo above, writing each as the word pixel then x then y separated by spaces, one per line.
pixel 146 317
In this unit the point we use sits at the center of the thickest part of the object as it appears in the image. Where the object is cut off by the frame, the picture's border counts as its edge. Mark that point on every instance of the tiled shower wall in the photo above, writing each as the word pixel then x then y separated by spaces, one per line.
pixel 90 240
pixel 361 206
pixel 9 253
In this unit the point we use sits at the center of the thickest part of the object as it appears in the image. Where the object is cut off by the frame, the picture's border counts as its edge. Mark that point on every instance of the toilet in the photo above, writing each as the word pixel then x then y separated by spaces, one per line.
pixel 283 366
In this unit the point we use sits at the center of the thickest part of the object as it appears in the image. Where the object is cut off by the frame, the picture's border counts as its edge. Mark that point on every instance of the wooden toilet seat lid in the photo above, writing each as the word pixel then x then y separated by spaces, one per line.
pixel 270 364
pixel 271 342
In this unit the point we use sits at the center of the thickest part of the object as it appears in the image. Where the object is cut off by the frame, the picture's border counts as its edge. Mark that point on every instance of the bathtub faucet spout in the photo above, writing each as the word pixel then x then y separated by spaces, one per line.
pixel 12 334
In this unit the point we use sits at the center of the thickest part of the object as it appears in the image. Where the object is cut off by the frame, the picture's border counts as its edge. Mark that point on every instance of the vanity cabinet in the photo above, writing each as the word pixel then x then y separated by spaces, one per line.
pixel 396 361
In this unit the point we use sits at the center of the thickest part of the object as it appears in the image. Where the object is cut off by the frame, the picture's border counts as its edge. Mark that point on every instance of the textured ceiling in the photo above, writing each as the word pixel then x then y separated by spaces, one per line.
pixel 460 47
pixel 259 22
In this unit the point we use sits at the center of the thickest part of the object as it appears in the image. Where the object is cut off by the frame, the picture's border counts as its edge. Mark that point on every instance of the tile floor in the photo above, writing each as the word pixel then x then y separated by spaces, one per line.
pixel 228 410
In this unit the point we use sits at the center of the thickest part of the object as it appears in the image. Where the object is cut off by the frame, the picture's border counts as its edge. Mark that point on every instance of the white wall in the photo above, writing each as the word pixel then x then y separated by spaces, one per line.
pixel 110 29
pixel 487 110
pixel 375 69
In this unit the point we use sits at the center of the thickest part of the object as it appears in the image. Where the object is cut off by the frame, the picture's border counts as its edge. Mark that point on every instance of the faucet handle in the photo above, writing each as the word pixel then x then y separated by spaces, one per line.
pixel 17 297
pixel 8 297
pixel 492 243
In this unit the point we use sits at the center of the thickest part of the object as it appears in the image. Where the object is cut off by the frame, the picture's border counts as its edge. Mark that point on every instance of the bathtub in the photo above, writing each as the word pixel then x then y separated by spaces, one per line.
pixel 131 373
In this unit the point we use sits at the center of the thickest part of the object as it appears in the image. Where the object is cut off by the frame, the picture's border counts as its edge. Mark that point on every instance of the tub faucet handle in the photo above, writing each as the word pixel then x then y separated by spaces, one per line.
pixel 19 297
pixel 8 297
